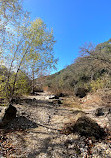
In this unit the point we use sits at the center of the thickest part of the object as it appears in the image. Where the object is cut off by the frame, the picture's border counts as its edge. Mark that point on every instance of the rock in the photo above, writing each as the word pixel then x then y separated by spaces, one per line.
pixel 34 99
pixel 99 112
pixel 80 92
pixel 9 115
pixel 57 102
pixel 61 95
pixel 53 97
pixel 34 93
pixel 103 111
pixel 56 97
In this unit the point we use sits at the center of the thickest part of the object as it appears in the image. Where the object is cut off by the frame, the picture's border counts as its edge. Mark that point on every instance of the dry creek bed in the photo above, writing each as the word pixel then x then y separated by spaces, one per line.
pixel 36 132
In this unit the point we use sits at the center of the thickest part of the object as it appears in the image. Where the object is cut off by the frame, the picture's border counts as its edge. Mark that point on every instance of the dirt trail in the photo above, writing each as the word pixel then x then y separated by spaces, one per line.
pixel 36 132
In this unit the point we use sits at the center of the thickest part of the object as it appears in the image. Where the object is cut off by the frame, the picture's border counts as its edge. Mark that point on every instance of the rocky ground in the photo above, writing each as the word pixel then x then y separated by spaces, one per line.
pixel 43 128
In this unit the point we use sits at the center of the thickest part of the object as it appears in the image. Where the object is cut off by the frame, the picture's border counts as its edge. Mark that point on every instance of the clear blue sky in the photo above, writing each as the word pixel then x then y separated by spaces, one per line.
pixel 74 22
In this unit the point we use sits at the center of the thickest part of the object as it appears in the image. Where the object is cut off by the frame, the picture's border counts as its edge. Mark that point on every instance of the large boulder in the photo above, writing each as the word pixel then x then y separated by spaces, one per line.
pixel 7 115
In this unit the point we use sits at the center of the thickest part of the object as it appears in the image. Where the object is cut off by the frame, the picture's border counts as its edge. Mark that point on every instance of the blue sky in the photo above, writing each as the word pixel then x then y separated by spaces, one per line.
pixel 74 22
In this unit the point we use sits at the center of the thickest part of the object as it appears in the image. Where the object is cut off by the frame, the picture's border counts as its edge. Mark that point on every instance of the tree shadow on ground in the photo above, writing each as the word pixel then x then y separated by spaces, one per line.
pixel 40 103
pixel 20 123
pixel 17 128
pixel 47 148
pixel 59 149
pixel 28 101
pixel 71 147
pixel 32 102
pixel 86 127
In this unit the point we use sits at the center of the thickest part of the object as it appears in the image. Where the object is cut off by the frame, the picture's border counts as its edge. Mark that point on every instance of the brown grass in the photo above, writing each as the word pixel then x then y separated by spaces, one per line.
pixel 72 102
pixel 91 101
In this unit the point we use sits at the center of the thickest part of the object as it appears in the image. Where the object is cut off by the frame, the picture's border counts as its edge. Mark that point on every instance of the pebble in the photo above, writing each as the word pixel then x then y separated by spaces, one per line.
pixel 43 141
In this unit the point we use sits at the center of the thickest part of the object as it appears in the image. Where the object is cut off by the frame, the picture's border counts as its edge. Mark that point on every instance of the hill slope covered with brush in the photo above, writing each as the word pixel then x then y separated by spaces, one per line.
pixel 91 71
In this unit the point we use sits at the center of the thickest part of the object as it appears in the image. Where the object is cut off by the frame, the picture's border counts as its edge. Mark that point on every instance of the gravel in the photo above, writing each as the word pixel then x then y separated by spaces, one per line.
pixel 36 133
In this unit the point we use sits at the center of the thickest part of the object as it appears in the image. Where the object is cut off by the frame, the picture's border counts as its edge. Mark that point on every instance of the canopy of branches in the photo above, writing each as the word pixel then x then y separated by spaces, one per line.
pixel 26 47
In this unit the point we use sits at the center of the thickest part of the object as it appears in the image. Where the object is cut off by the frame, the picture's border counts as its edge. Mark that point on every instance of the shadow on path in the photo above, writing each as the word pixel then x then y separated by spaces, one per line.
pixel 21 123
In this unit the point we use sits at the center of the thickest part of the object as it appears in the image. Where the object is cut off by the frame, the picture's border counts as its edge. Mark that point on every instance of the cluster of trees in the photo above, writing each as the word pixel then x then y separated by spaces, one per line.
pixel 92 71
pixel 26 48
pixel 22 85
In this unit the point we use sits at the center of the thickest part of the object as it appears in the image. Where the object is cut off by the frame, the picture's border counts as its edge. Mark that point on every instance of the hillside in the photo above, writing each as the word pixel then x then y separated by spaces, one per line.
pixel 61 115
pixel 49 126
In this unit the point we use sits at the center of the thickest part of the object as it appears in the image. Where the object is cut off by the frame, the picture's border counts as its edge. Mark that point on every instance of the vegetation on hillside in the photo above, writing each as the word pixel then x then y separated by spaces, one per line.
pixel 91 71
pixel 26 50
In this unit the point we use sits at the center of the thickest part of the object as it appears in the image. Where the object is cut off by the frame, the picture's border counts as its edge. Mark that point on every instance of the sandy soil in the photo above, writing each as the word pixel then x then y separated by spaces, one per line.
pixel 36 132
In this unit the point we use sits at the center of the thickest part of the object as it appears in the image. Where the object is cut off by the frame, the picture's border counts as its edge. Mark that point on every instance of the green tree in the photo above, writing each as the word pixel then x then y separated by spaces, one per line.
pixel 26 46
pixel 11 15
pixel 22 85
pixel 32 50
pixel 41 55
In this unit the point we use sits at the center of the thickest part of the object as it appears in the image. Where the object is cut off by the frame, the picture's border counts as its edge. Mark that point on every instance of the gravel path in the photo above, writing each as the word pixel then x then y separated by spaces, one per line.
pixel 36 133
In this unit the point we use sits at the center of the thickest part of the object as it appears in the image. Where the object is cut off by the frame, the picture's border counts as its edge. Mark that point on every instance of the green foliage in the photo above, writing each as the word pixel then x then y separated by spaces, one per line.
pixel 11 15
pixel 40 44
pixel 91 71
pixel 100 83
pixel 97 84
pixel 26 46
pixel 22 85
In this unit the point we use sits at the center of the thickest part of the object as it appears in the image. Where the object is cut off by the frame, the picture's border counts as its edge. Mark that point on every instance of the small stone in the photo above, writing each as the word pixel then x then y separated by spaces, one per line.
pixel 99 112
